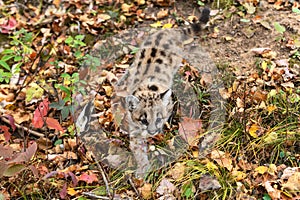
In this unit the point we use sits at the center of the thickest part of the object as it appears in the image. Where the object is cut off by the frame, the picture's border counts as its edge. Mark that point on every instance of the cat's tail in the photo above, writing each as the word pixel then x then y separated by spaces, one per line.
pixel 204 18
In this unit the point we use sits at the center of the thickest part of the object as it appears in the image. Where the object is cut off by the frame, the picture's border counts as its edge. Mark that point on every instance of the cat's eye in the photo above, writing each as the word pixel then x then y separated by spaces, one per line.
pixel 144 121
pixel 158 120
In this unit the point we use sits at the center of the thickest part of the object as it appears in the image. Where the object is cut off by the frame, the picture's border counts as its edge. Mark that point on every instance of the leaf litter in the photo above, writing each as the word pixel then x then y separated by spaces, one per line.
pixel 266 79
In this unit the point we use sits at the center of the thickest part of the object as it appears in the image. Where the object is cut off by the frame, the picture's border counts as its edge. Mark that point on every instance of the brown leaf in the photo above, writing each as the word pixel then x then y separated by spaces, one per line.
pixel 293 183
pixel 6 151
pixel 165 187
pixel 25 156
pixel 207 182
pixel 146 191
pixel 163 13
pixel 222 158
pixel 177 172
pixel 189 130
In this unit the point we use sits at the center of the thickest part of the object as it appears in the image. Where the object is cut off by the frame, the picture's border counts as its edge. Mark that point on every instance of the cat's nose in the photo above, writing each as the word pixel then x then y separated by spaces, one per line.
pixel 152 132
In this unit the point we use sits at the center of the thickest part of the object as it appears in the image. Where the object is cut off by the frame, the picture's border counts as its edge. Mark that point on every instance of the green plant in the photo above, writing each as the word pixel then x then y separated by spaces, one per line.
pixel 71 85
pixel 76 43
pixel 13 58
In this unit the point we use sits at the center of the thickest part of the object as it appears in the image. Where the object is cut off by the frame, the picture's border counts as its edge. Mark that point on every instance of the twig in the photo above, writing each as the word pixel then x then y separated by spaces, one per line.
pixel 23 127
pixel 134 188
pixel 91 195
pixel 104 177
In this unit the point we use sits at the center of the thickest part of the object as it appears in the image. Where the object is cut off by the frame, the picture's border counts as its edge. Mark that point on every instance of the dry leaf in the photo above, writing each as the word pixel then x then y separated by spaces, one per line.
pixel 223 159
pixel 287 85
pixel 189 130
pixel 146 191
pixel 165 187
pixel 254 130
pixel 293 183
pixel 156 24
pixel 273 192
pixel 261 169
pixel 163 13
pixel 177 172
pixel 207 182
pixel 238 175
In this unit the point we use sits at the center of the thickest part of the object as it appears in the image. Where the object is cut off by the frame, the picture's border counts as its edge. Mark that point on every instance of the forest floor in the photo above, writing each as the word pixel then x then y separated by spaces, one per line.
pixel 48 52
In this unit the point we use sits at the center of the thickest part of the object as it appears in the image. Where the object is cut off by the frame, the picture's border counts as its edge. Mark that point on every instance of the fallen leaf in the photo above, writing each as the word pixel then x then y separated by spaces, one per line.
pixel 146 191
pixel 25 156
pixel 165 187
pixel 208 182
pixel 177 172
pixel 88 178
pixel 189 130
pixel 260 51
pixel 238 175
pixel 168 25
pixel 162 13
pixel 223 159
pixel 287 85
pixel 156 24
pixel 261 169
pixel 71 191
pixel 293 183
pixel 253 131
pixel 8 26
pixel 273 192
pixel 5 131
pixel 279 28
pixel 63 192
pixel 13 170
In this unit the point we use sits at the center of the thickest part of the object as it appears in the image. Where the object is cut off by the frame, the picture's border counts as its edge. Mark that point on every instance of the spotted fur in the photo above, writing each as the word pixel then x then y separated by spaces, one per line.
pixel 148 81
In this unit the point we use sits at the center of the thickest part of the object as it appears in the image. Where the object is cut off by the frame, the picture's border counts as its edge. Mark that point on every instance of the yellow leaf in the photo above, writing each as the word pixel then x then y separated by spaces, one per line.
pixel 72 191
pixel 271 108
pixel 261 169
pixel 156 24
pixel 238 175
pixel 108 90
pixel 211 166
pixel 272 169
pixel 168 25
pixel 195 153
pixel 272 93
pixel 264 65
pixel 271 137
pixel 253 130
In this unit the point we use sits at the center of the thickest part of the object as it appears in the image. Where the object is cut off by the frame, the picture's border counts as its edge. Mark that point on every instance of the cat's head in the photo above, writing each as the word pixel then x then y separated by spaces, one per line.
pixel 149 110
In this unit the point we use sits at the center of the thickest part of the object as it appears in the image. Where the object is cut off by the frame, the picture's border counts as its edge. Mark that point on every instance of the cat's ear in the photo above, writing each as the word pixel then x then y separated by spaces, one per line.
pixel 132 102
pixel 166 97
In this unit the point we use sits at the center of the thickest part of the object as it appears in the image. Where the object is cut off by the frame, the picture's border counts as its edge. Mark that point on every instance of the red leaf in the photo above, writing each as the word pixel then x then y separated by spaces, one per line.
pixel 63 192
pixel 54 124
pixel 40 113
pixel 8 25
pixel 74 178
pixel 6 132
pixel 88 178
pixel 11 122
